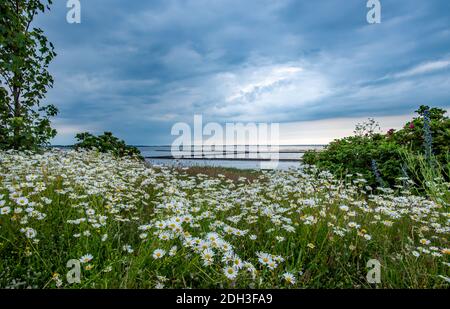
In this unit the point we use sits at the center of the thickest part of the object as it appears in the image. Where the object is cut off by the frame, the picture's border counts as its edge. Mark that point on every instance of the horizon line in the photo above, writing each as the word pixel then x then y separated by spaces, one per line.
pixel 202 145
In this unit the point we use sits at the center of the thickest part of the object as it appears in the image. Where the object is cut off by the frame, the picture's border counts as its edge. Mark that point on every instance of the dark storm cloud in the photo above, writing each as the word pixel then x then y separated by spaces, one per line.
pixel 136 67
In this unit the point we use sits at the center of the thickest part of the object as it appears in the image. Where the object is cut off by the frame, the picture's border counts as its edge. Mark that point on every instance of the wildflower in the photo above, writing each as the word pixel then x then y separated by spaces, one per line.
pixel 353 225
pixel 86 258
pixel 203 245
pixel 173 251
pixel 446 251
pixel 424 241
pixel 107 269
pixel 272 265
pixel 367 237
pixel 230 272
pixel 423 250
pixel 427 136
pixel 15 195
pixel 377 174
pixel 127 248
pixel 250 268
pixel 160 224
pixel 212 236
pixel 280 238
pixel 22 201
pixel 344 208
pixel 57 279
pixel 237 262
pixel 416 254
pixel 5 210
pixel 264 258
pixel 46 200
pixel 289 278
pixel 207 256
pixel 29 232
pixel 387 223
pixel 225 246
pixel 144 227
pixel 28 252
pixel 277 258
pixel 162 278
pixel 158 253
pixel 164 236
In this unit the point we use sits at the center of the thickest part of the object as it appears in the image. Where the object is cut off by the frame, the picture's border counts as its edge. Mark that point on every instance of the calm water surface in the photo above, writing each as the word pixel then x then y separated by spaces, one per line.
pixel 242 157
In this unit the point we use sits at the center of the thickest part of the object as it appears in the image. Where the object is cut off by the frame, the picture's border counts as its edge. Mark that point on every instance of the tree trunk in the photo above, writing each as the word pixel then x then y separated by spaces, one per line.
pixel 16 92
pixel 17 113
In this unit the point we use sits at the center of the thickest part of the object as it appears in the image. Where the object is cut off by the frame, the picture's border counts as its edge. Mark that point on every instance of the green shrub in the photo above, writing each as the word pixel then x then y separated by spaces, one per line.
pixel 412 134
pixel 106 143
pixel 355 155
pixel 375 155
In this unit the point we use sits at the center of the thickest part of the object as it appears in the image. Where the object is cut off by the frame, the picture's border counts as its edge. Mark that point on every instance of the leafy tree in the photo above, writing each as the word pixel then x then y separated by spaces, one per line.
pixel 106 143
pixel 25 54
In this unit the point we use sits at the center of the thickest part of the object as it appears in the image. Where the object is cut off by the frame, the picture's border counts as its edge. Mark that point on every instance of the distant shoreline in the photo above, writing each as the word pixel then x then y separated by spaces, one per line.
pixel 228 153
pixel 221 159
pixel 157 146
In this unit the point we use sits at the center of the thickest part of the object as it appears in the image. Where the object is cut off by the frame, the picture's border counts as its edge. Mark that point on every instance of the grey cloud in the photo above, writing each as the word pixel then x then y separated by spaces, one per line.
pixel 136 67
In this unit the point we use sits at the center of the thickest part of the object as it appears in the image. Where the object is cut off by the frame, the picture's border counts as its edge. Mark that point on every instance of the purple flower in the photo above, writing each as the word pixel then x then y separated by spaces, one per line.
pixel 428 139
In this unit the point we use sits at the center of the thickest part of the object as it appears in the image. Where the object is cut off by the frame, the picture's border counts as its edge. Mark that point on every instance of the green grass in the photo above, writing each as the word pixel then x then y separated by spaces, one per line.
pixel 295 215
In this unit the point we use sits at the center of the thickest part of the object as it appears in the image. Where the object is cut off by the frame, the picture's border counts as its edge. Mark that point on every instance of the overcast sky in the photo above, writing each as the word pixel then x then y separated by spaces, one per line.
pixel 137 67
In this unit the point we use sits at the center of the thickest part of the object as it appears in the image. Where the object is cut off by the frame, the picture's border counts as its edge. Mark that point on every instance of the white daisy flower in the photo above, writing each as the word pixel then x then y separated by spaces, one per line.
pixel 5 210
pixel 127 248
pixel 158 253
pixel 29 233
pixel 289 278
pixel 86 258
pixel 22 201
pixel 230 272
pixel 344 208
pixel 173 251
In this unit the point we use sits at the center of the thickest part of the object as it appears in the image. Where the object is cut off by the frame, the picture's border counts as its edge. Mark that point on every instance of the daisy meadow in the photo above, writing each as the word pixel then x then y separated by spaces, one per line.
pixel 283 229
